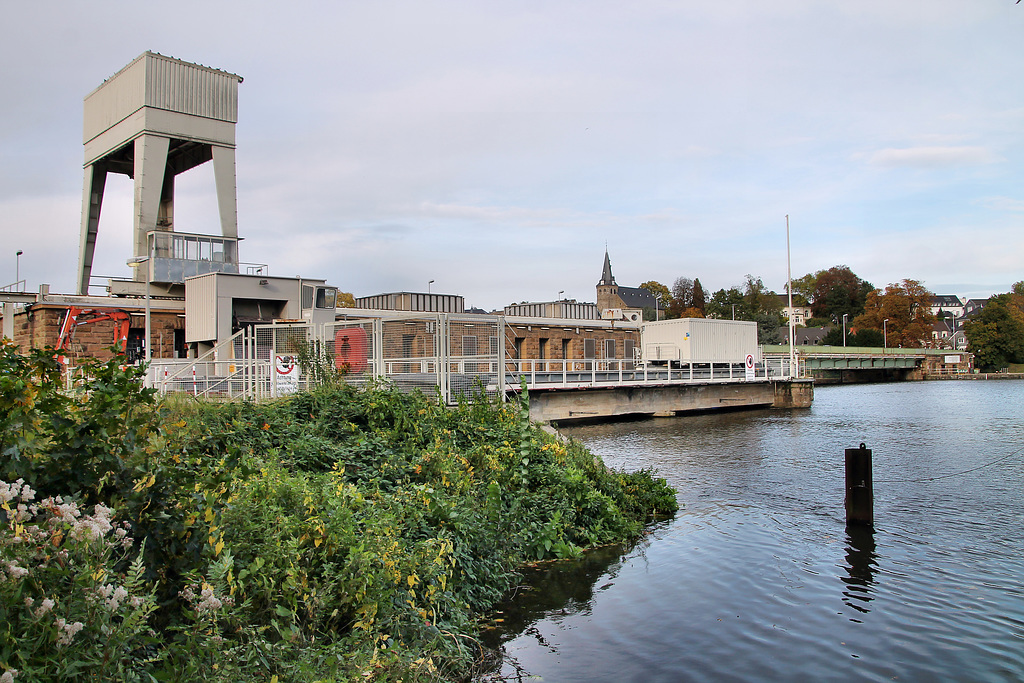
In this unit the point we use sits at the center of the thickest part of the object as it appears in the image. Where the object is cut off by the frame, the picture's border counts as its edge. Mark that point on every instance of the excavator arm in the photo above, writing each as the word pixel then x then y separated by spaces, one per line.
pixel 76 317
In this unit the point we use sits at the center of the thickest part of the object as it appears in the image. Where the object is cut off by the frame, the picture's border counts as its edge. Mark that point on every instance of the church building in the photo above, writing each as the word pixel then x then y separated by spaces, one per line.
pixel 621 303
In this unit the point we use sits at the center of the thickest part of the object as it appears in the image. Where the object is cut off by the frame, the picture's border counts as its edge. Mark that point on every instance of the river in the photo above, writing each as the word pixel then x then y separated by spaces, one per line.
pixel 758 577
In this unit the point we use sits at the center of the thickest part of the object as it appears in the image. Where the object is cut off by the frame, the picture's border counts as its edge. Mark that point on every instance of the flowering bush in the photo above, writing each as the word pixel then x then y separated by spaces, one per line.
pixel 65 613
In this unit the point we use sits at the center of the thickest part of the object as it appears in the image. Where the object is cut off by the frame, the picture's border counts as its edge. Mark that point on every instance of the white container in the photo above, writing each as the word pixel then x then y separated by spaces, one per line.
pixel 699 340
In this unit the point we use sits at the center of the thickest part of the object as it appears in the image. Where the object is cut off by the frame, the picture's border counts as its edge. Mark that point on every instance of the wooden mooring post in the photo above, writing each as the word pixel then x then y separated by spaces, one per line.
pixel 860 495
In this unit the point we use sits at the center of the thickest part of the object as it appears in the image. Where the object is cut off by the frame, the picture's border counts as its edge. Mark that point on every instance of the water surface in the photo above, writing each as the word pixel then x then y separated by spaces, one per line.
pixel 758 576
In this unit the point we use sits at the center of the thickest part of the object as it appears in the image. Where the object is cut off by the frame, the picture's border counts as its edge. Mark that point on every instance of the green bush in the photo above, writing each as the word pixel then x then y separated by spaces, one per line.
pixel 340 534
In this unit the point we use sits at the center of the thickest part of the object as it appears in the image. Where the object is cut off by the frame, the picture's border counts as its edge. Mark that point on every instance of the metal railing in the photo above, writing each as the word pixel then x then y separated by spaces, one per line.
pixel 428 352
pixel 574 373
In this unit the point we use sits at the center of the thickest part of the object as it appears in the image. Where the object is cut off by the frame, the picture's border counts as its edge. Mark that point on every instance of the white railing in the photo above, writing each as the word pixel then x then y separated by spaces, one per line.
pixel 609 372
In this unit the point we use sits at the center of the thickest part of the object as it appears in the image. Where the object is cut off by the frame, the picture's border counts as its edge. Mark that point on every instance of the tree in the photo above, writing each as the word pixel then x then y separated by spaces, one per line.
pixel 754 302
pixel 834 337
pixel 699 301
pixel 996 334
pixel 346 300
pixel 658 290
pixel 867 337
pixel 902 312
pixel 724 303
pixel 682 296
pixel 833 292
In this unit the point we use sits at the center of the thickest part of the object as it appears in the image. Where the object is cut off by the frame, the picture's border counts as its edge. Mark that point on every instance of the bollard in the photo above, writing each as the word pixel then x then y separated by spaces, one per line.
pixel 860 496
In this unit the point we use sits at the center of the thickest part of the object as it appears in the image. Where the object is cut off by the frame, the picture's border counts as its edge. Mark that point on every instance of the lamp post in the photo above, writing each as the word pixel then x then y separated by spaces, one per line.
pixel 560 293
pixel 844 329
pixel 657 307
pixel 885 336
pixel 428 286
pixel 17 269
pixel 147 352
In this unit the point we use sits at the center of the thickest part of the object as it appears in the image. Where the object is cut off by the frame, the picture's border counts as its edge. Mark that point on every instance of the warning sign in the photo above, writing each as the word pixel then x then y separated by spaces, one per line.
pixel 286 374
pixel 749 364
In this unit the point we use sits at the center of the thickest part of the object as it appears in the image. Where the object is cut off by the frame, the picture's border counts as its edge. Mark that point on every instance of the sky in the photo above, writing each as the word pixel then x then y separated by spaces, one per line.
pixel 498 148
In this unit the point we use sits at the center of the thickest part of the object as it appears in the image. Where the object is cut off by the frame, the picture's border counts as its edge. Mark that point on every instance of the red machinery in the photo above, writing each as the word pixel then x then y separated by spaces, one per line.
pixel 82 316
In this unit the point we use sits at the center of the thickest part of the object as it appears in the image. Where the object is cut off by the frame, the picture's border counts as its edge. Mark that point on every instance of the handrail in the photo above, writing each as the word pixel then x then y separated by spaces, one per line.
pixel 195 361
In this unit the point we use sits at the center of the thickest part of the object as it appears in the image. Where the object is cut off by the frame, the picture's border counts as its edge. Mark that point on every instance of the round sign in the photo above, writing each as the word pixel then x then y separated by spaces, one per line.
pixel 750 360
pixel 285 364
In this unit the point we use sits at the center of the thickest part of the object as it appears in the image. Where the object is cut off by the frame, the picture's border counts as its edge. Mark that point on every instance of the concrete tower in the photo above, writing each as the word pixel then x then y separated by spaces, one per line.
pixel 156 118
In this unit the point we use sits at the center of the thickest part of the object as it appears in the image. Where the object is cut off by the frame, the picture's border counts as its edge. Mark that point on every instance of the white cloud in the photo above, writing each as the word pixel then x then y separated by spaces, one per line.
pixel 931 157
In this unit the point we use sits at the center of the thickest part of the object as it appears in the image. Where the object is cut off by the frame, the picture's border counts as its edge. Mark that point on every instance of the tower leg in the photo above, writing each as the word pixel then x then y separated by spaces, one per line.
pixel 150 165
pixel 92 201
pixel 227 200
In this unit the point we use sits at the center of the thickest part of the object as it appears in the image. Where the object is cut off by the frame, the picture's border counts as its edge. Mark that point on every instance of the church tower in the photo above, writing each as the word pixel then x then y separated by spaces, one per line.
pixel 607 289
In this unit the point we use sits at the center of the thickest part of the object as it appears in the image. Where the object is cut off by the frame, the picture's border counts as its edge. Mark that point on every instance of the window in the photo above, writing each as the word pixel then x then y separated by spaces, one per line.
pixel 469 346
pixel 326 297
pixel 609 348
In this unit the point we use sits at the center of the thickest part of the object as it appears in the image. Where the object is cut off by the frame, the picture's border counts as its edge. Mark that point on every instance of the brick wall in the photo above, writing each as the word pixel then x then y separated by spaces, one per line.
pixel 39 326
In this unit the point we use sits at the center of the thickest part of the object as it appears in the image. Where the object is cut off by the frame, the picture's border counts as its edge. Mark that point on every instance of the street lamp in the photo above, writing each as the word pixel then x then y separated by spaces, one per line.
pixel 885 336
pixel 147 352
pixel 560 293
pixel 428 286
pixel 17 269
pixel 844 329
pixel 657 307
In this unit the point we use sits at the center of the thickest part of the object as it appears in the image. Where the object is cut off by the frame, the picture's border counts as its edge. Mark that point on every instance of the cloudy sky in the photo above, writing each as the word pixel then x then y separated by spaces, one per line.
pixel 497 147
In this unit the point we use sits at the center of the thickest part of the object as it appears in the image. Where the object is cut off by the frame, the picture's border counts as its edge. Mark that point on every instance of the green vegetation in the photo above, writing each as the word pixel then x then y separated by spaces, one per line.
pixel 996 334
pixel 339 535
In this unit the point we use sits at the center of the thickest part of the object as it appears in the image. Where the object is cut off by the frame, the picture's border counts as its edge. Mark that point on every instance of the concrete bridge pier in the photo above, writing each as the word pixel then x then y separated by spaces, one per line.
pixel 597 403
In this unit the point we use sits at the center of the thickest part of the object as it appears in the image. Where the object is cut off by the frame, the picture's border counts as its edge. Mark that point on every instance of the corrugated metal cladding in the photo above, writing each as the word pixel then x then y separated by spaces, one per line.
pixel 164 83
pixel 191 89
pixel 201 308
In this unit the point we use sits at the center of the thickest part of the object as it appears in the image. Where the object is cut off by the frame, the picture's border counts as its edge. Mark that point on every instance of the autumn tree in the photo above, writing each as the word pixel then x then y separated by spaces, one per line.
pixel 902 311
pixel 682 297
pixel 661 293
pixel 996 334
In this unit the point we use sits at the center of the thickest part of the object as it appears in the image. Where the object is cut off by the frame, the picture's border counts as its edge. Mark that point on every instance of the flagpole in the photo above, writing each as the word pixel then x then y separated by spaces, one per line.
pixel 789 287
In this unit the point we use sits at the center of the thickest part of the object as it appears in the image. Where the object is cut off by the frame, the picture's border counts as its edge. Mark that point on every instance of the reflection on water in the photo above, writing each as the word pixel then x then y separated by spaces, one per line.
pixel 758 577
pixel 860 566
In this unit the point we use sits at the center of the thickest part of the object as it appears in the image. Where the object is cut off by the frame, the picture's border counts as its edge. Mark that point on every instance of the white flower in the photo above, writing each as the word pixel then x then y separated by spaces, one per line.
pixel 8 676
pixel 69 630
pixel 93 526
pixel 115 600
pixel 209 603
pixel 15 571
pixel 45 606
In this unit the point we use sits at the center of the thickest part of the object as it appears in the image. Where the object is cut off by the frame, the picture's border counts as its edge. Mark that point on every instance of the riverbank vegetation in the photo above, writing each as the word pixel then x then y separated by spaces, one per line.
pixel 339 535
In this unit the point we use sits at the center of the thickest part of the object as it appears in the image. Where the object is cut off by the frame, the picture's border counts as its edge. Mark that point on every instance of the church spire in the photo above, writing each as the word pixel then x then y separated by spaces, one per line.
pixel 607 279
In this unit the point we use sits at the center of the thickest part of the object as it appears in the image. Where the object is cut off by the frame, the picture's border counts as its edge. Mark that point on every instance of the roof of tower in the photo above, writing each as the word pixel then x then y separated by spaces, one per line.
pixel 606 276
